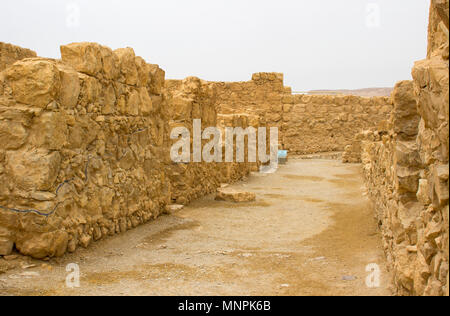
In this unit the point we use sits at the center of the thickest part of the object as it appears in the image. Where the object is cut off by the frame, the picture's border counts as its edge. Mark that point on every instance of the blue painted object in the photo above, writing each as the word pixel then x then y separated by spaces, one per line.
pixel 282 154
pixel 282 157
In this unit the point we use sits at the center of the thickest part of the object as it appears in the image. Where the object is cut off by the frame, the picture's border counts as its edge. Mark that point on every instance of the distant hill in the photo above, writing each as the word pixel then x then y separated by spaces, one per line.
pixel 367 92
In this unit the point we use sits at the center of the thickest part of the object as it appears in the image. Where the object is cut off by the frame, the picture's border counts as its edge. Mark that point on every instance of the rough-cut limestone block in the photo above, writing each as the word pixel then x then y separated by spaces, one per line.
pixel 143 71
pixel 423 194
pixel 34 81
pixel 70 86
pixel 9 54
pixel 83 57
pixel 109 100
pixel 40 246
pixel 433 102
pixel 431 79
pixel 12 135
pixel 438 29
pixel 128 68
pixel 146 104
pixel 405 117
pixel 404 99
pixel 133 103
pixel 33 170
pixel 157 79
pixel 6 241
pixel 407 180
pixel 440 179
pixel 6 246
pixel 49 131
pixel 110 63
pixel 226 194
pixel 407 154
pixel 90 90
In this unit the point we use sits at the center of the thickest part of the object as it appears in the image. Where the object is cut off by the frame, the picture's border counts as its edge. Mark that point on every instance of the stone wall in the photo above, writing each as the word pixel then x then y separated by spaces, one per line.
pixel 86 150
pixel 191 99
pixel 391 169
pixel 9 54
pixel 307 123
pixel 431 88
pixel 406 168
pixel 313 124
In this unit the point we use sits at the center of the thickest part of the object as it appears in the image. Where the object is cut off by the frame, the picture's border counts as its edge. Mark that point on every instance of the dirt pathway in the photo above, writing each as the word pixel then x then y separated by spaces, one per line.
pixel 310 232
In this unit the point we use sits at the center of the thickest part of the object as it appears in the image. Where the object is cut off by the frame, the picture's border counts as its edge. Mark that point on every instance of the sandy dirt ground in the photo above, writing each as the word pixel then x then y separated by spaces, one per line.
pixel 310 232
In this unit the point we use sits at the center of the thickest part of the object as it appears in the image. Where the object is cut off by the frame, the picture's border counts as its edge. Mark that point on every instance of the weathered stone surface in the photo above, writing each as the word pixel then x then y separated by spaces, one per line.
pixel 83 57
pixel 49 131
pixel 70 86
pixel 405 118
pixel 127 63
pixel 33 170
pixel 226 194
pixel 157 79
pixel 34 81
pixel 6 246
pixel 40 246
pixel 423 194
pixel 6 241
pixel 12 135
pixel 9 54
pixel 440 180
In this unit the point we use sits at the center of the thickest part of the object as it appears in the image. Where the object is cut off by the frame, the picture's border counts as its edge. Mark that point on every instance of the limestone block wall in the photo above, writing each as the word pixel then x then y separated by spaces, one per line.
pixel 352 152
pixel 392 169
pixel 313 124
pixel 9 54
pixel 83 150
pixel 191 99
pixel 307 123
pixel 262 96
pixel 86 151
pixel 431 88
pixel 407 171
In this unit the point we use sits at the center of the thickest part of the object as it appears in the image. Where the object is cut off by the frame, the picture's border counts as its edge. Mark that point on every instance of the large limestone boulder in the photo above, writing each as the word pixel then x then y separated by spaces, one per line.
pixel 33 170
pixel 40 246
pixel 39 82
pixel 405 117
pixel 83 57
pixel 12 135
pixel 34 81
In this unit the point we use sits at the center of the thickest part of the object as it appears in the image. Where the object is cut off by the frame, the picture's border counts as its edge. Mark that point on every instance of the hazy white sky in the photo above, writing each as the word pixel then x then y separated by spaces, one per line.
pixel 317 44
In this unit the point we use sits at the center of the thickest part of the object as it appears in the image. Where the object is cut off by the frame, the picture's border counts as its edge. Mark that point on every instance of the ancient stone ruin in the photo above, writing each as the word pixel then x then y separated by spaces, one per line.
pixel 84 148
